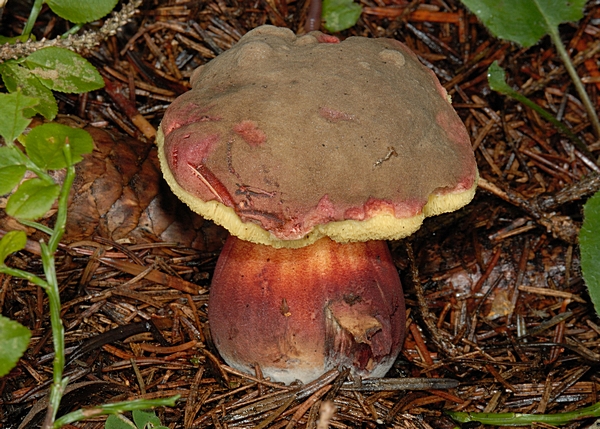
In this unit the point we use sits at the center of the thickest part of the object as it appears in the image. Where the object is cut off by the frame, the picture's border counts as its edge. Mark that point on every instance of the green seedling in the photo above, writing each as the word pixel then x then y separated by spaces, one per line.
pixel 54 68
pixel 526 21
pixel 26 174
pixel 47 147
pixel 31 199
pixel 497 81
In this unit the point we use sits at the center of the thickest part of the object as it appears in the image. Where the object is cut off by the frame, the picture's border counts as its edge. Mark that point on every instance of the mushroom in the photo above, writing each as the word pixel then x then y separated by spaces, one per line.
pixel 312 152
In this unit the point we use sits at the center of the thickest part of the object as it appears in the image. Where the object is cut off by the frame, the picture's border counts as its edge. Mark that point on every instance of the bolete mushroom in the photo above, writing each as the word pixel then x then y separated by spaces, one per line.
pixel 312 152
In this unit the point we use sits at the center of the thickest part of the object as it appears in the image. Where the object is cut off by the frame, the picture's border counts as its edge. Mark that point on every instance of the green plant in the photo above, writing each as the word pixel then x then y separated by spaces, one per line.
pixel 141 420
pixel 26 164
pixel 54 68
pixel 520 419
pixel 525 22
pixel 589 243
pixel 72 10
pixel 497 81
pixel 14 339
pixel 33 198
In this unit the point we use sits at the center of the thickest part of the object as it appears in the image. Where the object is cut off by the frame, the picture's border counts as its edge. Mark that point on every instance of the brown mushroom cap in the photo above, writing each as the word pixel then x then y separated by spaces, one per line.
pixel 284 140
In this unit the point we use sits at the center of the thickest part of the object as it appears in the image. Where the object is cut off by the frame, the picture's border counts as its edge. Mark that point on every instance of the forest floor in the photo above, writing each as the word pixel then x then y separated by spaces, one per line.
pixel 505 310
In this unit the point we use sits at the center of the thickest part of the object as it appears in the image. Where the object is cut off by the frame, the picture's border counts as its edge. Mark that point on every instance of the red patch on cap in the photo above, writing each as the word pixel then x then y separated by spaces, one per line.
pixel 183 112
pixel 190 149
pixel 249 131
pixel 327 38
pixel 333 115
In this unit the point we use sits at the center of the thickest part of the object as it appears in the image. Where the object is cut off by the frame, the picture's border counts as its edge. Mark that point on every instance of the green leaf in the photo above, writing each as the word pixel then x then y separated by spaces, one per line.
pixel 146 419
pixel 12 242
pixel 11 155
pixel 16 76
pixel 32 199
pixel 10 176
pixel 62 70
pixel 13 120
pixel 45 145
pixel 14 339
pixel 497 79
pixel 81 11
pixel 12 40
pixel 525 21
pixel 589 243
pixel 340 14
pixel 117 421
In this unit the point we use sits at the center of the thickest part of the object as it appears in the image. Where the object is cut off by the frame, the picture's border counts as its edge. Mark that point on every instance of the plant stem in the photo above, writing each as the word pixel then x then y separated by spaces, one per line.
pixel 35 11
pixel 519 419
pixel 53 292
pixel 20 158
pixel 546 115
pixel 63 201
pixel 39 226
pixel 562 52
pixel 24 275
pixel 72 30
pixel 116 408
pixel 58 336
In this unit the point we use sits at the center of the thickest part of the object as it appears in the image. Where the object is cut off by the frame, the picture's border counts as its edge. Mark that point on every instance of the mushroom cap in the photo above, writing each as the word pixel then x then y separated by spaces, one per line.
pixel 284 140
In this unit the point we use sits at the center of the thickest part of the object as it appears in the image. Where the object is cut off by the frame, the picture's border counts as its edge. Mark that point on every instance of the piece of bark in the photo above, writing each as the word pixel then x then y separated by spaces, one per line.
pixel 120 193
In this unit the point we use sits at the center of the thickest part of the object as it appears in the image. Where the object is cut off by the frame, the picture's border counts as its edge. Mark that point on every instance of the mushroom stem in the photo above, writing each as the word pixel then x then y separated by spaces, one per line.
pixel 300 312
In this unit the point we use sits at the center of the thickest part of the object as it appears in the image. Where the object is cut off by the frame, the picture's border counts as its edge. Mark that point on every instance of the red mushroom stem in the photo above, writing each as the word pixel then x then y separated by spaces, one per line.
pixel 300 312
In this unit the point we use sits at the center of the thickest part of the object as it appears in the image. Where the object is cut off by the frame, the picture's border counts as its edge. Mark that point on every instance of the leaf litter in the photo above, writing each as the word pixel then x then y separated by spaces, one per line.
pixel 494 292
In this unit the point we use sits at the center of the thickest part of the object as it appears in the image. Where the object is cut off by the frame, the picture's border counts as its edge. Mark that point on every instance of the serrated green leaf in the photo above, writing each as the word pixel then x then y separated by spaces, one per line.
pixel 32 199
pixel 146 419
pixel 117 421
pixel 62 70
pixel 589 243
pixel 45 145
pixel 81 12
pixel 13 120
pixel 340 14
pixel 10 177
pixel 12 242
pixel 14 339
pixel 525 21
pixel 16 76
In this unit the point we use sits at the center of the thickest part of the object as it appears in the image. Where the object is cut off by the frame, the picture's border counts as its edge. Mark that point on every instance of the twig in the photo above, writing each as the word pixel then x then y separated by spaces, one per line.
pixel 77 43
